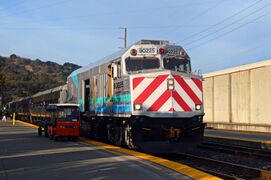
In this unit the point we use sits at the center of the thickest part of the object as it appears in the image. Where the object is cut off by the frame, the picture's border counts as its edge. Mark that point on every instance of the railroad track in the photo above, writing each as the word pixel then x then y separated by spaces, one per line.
pixel 226 170
pixel 222 169
pixel 238 150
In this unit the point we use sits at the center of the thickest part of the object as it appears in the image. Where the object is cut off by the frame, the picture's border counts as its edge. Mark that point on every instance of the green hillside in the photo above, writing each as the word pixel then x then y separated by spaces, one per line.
pixel 24 77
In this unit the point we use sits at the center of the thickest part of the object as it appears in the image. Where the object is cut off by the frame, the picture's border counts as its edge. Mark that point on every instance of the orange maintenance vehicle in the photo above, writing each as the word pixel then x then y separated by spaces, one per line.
pixel 62 121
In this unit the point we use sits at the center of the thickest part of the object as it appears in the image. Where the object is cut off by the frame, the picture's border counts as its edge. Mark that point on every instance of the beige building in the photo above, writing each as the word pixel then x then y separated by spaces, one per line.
pixel 239 98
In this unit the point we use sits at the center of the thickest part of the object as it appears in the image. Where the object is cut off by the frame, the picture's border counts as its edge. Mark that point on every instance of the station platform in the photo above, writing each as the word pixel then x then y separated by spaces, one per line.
pixel 247 139
pixel 25 155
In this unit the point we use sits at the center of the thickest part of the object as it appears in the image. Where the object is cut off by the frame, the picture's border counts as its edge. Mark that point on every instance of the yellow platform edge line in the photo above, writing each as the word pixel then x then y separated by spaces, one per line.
pixel 239 139
pixel 178 167
pixel 28 124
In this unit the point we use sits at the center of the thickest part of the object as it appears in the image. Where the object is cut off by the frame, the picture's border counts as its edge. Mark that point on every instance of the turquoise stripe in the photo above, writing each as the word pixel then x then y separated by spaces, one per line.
pixel 115 99
pixel 74 77
pixel 121 98
pixel 80 102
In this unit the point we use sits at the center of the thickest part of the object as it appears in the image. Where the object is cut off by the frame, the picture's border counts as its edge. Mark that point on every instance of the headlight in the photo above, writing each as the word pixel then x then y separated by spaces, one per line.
pixel 198 107
pixel 170 87
pixel 138 107
pixel 133 52
pixel 170 84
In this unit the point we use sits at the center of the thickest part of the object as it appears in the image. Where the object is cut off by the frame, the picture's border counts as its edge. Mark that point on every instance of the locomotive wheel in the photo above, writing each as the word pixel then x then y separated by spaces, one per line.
pixel 129 137
pixel 74 139
pixel 110 137
pixel 55 138
pixel 46 131
pixel 51 136
pixel 39 131
pixel 118 138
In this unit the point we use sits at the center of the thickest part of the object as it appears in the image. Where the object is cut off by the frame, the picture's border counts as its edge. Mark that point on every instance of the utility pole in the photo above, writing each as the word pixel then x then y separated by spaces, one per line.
pixel 124 37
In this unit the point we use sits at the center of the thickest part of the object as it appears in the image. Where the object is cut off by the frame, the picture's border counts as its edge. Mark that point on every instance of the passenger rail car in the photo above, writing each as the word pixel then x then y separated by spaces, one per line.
pixel 144 96
pixel 32 108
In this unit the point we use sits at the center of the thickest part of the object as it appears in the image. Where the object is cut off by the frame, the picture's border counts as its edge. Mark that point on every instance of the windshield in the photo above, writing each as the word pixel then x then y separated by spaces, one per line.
pixel 68 114
pixel 177 64
pixel 142 63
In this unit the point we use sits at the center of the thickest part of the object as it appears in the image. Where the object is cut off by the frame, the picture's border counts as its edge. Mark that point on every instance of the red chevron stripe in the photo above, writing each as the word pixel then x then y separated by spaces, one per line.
pixel 137 81
pixel 198 83
pixel 171 109
pixel 187 89
pixel 160 101
pixel 150 89
pixel 180 101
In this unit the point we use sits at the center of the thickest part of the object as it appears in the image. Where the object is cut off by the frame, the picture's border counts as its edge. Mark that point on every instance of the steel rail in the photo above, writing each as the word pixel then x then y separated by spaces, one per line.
pixel 238 150
pixel 230 170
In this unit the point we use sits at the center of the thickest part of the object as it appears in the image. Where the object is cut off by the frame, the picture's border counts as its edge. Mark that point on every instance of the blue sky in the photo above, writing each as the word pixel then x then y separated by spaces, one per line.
pixel 217 34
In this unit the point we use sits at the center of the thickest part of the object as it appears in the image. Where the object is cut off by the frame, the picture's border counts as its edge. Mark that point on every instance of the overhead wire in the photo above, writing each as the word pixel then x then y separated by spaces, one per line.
pixel 228 26
pixel 12 5
pixel 95 14
pixel 112 27
pixel 34 9
pixel 219 23
pixel 232 30
pixel 219 61
pixel 196 16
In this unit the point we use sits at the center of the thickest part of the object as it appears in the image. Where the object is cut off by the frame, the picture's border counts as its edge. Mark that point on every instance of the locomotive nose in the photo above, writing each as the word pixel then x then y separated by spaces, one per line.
pixel 166 93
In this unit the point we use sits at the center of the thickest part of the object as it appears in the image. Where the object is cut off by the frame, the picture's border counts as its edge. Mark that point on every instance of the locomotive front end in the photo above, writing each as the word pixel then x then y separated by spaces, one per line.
pixel 166 98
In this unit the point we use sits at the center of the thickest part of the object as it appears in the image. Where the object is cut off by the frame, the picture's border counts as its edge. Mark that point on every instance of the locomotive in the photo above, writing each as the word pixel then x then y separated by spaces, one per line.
pixel 144 97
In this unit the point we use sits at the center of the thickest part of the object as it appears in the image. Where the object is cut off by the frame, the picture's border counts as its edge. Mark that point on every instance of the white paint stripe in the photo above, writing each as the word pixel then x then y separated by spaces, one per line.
pixel 141 87
pixel 166 106
pixel 155 95
pixel 194 88
pixel 176 106
pixel 51 151
pixel 185 96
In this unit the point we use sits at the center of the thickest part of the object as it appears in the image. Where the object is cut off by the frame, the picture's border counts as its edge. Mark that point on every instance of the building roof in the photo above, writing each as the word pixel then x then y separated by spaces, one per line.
pixel 239 68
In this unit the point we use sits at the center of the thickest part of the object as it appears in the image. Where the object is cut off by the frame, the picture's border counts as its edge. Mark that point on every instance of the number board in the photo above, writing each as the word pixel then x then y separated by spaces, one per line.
pixel 147 50
pixel 172 51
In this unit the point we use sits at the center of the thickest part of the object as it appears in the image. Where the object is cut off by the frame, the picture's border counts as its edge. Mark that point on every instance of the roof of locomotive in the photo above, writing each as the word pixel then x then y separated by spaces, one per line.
pixel 116 55
pixel 108 58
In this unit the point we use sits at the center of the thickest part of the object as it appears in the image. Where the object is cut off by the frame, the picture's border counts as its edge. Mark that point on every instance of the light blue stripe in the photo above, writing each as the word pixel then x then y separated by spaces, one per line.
pixel 120 108
pixel 74 77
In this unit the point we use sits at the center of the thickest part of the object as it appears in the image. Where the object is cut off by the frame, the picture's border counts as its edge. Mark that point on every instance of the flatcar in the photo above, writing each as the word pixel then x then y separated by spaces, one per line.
pixel 144 97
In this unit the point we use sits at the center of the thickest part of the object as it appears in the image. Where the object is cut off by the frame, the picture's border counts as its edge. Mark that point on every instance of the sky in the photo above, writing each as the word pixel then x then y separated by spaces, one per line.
pixel 217 34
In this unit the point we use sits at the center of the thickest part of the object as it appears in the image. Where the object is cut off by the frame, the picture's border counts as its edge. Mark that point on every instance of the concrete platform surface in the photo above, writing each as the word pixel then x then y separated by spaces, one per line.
pixel 25 155
pixel 249 139
pixel 236 134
